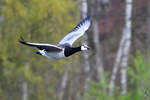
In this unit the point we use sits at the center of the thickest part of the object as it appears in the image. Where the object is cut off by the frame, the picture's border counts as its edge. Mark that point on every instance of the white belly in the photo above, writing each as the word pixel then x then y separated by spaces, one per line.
pixel 55 55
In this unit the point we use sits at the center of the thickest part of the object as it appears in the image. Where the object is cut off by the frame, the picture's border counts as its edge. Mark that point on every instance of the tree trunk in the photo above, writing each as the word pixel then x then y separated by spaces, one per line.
pixel 98 62
pixel 25 84
pixel 63 84
pixel 105 2
pixel 24 91
pixel 116 65
pixel 95 9
pixel 127 34
pixel 86 66
pixel 148 26
pixel 123 51
pixel 1 18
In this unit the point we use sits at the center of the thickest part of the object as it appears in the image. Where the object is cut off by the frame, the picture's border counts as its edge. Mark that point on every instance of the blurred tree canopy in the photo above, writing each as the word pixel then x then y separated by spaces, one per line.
pixel 37 21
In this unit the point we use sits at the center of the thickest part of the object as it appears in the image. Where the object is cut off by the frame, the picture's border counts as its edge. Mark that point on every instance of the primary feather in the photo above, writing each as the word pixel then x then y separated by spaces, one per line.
pixel 77 32
pixel 46 47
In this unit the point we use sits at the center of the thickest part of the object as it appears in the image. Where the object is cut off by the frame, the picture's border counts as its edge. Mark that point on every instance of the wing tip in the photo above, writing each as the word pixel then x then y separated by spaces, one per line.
pixel 85 20
pixel 21 40
pixel 88 18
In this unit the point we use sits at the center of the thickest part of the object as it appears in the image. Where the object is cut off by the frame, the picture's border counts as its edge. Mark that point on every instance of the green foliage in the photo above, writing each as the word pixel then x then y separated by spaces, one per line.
pixel 138 84
pixel 139 77
pixel 96 92
pixel 36 21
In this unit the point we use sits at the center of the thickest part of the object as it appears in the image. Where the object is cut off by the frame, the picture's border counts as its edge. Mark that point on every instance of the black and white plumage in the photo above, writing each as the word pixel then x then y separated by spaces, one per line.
pixel 64 47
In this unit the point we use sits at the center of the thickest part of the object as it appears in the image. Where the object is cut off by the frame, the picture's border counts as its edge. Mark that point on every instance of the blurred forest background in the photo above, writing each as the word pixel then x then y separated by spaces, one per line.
pixel 116 68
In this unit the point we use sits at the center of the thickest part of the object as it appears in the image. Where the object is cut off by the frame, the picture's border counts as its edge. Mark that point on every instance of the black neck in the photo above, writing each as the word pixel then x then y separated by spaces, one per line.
pixel 69 50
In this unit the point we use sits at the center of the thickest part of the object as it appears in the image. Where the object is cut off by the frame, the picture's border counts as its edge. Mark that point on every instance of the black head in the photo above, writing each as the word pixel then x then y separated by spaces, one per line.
pixel 71 50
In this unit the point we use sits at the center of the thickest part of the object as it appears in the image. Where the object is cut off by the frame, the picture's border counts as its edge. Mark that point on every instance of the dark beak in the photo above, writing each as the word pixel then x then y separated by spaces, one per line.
pixel 88 48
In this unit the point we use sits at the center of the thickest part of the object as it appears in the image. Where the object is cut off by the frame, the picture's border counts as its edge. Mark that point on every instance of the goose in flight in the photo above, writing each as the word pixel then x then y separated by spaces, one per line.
pixel 64 48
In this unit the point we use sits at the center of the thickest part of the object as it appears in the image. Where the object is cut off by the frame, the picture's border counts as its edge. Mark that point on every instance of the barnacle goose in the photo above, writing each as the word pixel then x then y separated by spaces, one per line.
pixel 64 48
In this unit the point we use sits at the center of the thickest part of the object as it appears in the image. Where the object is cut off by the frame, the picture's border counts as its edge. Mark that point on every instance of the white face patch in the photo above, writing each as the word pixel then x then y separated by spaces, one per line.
pixel 84 47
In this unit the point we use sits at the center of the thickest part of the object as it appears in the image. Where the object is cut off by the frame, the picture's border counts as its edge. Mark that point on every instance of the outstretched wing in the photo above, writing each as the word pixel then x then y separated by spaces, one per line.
pixel 77 32
pixel 46 47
